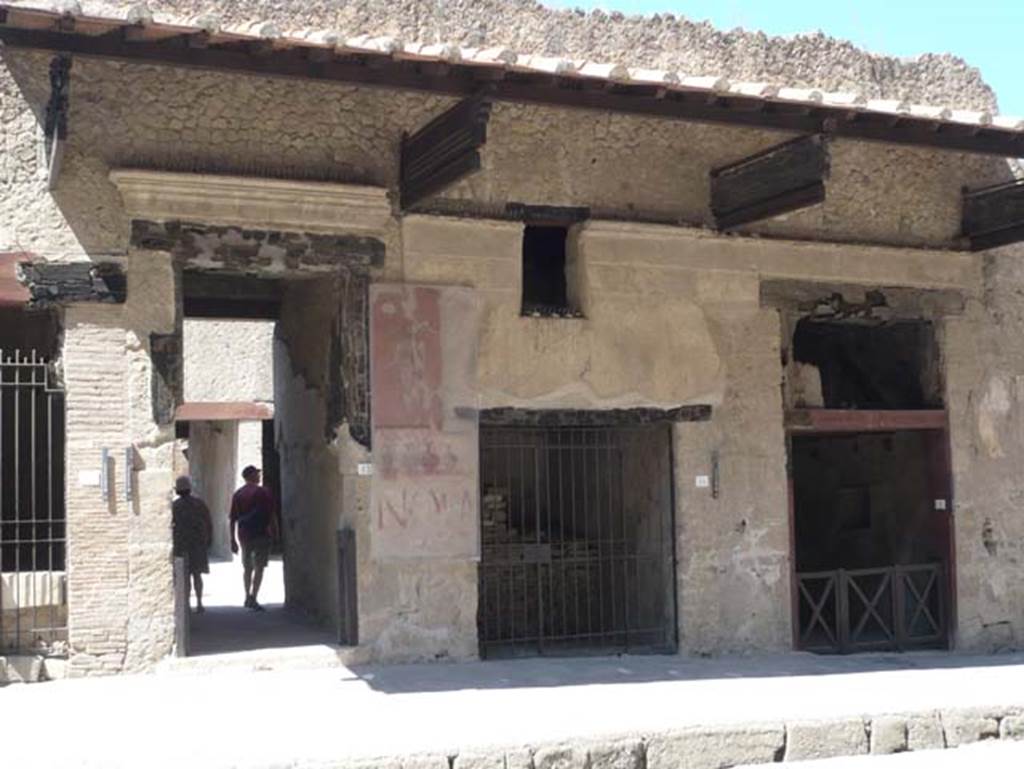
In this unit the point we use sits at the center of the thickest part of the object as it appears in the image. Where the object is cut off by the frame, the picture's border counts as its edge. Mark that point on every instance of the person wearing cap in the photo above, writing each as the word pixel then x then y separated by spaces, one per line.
pixel 192 534
pixel 252 515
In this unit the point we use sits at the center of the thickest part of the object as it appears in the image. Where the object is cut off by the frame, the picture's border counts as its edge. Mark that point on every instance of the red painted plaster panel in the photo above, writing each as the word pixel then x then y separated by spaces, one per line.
pixel 11 291
pixel 425 451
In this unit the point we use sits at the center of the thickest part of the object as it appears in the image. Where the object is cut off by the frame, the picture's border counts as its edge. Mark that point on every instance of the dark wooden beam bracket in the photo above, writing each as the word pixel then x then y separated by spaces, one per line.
pixel 780 179
pixel 445 150
pixel 994 216
pixel 50 283
pixel 55 127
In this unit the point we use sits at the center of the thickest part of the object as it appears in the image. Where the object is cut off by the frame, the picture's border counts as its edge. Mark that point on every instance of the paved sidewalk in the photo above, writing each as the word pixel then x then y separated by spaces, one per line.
pixel 335 717
pixel 229 627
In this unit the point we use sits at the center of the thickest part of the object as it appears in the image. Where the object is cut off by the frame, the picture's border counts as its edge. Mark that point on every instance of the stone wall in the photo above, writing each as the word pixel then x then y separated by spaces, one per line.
pixel 671 314
pixel 984 352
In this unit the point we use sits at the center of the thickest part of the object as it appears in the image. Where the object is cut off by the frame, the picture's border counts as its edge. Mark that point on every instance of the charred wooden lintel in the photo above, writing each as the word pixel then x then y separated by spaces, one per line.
pixel 783 178
pixel 241 249
pixel 515 417
pixel 445 150
pixel 76 282
pixel 994 216
pixel 348 391
pixel 532 214
pixel 168 381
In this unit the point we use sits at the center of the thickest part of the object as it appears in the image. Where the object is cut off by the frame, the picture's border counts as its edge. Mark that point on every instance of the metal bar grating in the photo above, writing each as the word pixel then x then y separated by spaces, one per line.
pixel 576 540
pixel 33 601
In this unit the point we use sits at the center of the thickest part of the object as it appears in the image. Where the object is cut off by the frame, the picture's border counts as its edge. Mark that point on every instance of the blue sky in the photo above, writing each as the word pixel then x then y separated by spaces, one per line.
pixel 988 34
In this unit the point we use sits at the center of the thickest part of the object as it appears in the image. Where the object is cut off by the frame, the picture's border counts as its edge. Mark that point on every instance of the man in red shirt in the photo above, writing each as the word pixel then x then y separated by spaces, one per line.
pixel 252 515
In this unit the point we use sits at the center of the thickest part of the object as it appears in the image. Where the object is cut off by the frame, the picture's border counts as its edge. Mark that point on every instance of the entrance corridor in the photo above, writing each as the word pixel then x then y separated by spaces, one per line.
pixel 227 626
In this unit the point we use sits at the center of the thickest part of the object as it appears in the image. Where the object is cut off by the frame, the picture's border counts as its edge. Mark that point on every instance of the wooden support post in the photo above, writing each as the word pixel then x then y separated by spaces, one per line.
pixel 445 150
pixel 994 216
pixel 780 179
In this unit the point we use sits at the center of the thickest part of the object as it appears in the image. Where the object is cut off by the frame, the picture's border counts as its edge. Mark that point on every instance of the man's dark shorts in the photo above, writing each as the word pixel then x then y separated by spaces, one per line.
pixel 255 553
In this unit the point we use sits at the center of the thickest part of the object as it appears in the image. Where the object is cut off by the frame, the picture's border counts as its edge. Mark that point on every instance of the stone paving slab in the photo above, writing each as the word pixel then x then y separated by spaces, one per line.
pixel 612 713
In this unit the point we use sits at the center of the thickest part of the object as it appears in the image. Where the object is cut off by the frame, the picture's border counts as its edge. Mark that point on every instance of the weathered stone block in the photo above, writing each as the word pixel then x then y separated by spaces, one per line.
pixel 716 748
pixel 888 735
pixel 625 754
pixel 807 740
pixel 519 758
pixel 1012 728
pixel 925 733
pixel 560 757
pixel 965 728
pixel 480 760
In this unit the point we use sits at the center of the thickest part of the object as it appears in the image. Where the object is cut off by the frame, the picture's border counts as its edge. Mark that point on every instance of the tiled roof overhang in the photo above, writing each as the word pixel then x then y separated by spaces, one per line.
pixel 261 49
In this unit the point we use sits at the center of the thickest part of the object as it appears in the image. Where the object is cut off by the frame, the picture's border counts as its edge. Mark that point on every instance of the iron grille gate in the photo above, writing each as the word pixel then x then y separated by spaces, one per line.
pixel 577 545
pixel 892 608
pixel 33 605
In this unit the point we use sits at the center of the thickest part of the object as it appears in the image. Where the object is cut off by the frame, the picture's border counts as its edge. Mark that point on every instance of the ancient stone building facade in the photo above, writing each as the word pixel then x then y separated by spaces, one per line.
pixel 681 366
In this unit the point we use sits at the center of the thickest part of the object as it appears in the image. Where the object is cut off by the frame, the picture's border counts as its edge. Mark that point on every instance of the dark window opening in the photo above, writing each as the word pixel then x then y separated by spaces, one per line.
pixel 890 366
pixel 545 286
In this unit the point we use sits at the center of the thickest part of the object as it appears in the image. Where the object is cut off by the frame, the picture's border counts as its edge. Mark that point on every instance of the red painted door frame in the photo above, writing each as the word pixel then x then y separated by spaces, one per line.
pixel 935 424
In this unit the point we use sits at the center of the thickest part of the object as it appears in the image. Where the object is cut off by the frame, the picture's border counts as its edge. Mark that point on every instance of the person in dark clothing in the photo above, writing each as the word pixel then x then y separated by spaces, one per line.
pixel 192 534
pixel 252 515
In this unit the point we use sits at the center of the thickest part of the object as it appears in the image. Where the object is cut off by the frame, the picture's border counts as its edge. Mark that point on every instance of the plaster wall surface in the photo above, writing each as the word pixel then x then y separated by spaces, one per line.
pixel 984 356
pixel 229 360
pixel 672 316
pixel 408 609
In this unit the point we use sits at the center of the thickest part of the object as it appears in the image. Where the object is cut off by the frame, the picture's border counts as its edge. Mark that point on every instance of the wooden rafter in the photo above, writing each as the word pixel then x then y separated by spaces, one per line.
pixel 994 216
pixel 780 179
pixel 445 150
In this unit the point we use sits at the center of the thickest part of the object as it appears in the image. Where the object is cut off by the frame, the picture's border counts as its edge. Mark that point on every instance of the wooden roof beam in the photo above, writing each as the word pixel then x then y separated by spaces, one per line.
pixel 445 150
pixel 780 179
pixel 994 216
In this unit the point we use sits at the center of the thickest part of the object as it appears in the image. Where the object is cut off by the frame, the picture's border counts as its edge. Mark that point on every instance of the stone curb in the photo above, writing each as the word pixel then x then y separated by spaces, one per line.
pixel 737 745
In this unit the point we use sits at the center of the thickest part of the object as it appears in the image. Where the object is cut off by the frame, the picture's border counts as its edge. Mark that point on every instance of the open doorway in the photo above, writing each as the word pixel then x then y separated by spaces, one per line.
pixel 869 487
pixel 230 421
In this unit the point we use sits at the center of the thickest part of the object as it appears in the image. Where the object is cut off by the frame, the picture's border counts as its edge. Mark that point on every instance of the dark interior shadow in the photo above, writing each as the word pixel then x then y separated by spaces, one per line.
pixel 224 629
pixel 587 671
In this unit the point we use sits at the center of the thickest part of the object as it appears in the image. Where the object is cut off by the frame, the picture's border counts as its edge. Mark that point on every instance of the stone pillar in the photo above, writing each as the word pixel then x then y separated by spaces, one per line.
pixel 984 354
pixel 120 591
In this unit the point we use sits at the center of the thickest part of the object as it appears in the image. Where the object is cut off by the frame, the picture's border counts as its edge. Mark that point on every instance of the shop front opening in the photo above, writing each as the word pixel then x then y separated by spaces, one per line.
pixel 577 545
pixel 33 529
pixel 870 489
